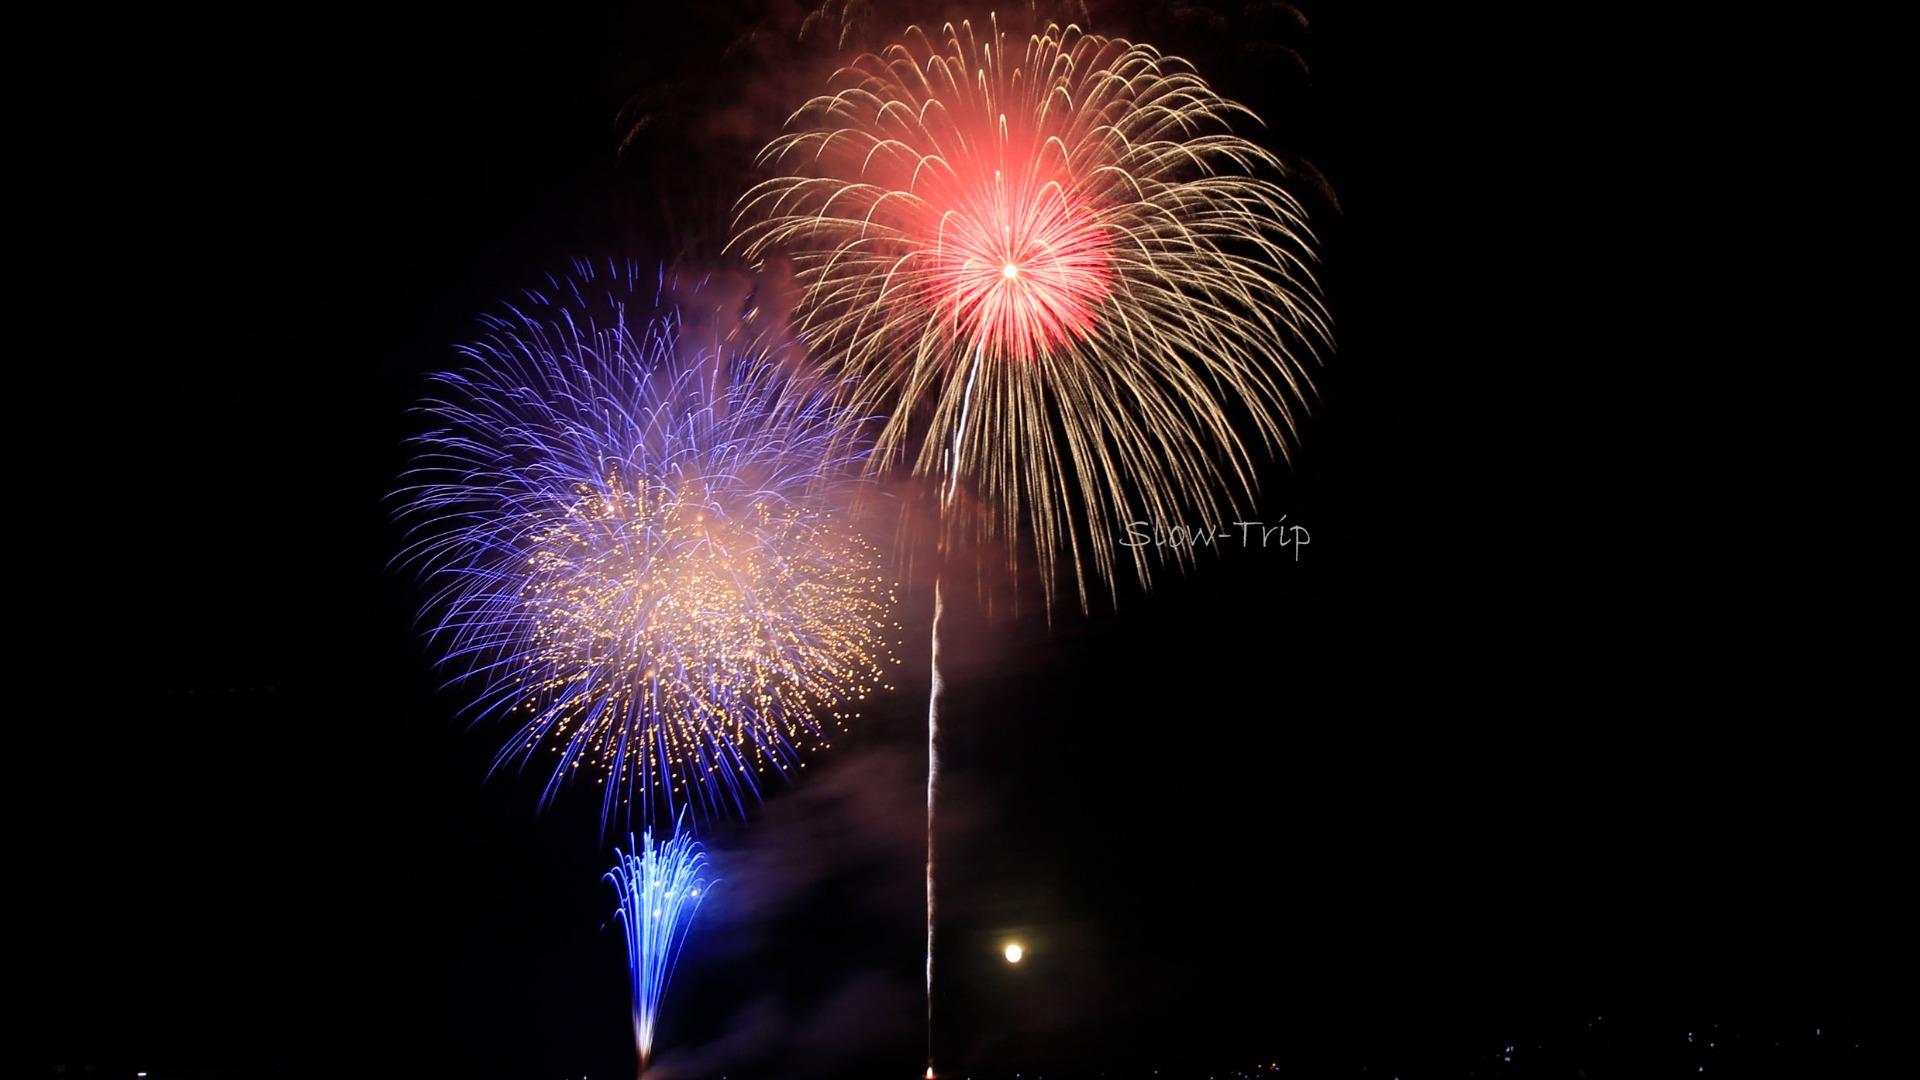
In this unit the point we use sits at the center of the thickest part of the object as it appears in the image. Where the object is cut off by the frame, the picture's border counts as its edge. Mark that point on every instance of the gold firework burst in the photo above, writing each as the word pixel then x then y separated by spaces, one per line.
pixel 1058 273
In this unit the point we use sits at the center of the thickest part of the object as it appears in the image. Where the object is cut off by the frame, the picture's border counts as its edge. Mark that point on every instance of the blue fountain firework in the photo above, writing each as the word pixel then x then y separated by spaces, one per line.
pixel 641 546
pixel 660 887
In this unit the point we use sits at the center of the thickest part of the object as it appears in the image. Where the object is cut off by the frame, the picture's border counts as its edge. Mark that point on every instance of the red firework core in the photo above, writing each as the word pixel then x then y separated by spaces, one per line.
pixel 1018 272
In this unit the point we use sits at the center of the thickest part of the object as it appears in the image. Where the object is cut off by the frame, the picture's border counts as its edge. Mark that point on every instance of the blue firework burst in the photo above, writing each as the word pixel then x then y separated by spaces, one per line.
pixel 640 547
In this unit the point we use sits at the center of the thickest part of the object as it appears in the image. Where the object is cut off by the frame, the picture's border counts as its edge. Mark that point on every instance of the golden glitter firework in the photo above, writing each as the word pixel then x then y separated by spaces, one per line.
pixel 1057 272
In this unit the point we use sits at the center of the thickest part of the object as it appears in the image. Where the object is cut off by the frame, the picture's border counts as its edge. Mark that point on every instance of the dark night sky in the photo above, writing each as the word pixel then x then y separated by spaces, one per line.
pixel 1473 772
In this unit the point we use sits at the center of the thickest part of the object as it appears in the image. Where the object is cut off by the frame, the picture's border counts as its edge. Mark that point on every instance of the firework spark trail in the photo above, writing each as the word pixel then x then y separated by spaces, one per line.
pixel 934 691
pixel 659 888
pixel 642 549
pixel 933 777
pixel 1082 220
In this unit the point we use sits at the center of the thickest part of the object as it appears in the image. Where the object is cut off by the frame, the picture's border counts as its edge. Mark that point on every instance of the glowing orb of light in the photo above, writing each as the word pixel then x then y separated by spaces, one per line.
pixel 1014 953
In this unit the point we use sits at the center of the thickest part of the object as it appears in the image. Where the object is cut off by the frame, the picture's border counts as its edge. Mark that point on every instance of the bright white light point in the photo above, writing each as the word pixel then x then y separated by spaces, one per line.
pixel 1014 953
pixel 1009 271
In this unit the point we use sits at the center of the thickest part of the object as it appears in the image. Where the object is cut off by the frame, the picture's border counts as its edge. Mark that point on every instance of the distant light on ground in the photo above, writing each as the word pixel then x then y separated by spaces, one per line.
pixel 1014 953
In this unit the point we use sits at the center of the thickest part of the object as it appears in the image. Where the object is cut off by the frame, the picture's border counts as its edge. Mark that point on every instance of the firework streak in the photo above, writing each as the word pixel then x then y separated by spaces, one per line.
pixel 659 889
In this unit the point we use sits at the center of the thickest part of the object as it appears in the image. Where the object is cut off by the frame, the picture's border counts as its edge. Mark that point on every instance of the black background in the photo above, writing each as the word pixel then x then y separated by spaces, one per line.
pixel 1496 763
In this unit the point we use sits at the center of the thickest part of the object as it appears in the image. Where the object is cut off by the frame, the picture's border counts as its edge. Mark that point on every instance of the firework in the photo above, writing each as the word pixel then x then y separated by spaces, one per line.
pixel 1062 272
pixel 1065 249
pixel 659 887
pixel 642 548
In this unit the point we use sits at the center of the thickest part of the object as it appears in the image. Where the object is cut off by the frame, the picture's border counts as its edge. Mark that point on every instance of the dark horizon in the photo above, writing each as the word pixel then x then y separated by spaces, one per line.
pixel 1465 776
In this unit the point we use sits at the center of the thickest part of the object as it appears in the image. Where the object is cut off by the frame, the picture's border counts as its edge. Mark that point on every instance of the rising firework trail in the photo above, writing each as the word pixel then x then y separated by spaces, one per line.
pixel 1058 274
pixel 660 887
pixel 642 547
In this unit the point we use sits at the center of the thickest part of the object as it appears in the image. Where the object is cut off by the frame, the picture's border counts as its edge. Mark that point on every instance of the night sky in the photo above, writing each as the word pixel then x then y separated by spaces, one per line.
pixel 1491 771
